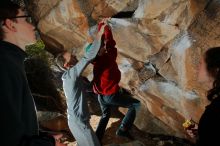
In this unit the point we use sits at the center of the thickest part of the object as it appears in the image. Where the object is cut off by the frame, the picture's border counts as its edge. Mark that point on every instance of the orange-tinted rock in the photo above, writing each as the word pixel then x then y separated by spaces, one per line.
pixel 169 35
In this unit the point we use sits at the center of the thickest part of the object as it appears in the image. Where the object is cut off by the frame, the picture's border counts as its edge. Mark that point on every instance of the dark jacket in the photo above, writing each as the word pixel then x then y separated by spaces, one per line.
pixel 18 115
pixel 209 125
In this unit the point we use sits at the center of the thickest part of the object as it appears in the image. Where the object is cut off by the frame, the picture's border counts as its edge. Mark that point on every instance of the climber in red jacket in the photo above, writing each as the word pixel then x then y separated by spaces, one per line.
pixel 106 84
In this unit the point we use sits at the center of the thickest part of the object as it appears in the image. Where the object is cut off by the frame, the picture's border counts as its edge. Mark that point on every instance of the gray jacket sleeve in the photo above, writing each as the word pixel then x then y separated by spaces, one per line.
pixel 91 53
pixel 88 57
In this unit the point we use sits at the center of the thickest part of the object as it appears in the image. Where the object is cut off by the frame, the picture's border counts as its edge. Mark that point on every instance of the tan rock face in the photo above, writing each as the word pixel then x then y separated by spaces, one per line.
pixel 159 47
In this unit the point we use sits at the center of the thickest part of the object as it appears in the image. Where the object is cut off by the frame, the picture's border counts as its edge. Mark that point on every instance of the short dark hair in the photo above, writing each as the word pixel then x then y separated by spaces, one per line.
pixel 60 61
pixel 212 60
pixel 8 9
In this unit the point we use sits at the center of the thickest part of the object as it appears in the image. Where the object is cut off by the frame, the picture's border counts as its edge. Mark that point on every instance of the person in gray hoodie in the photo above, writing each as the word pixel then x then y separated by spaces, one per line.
pixel 75 91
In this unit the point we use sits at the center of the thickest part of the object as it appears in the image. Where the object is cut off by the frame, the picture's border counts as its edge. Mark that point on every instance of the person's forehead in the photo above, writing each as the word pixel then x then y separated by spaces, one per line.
pixel 66 54
pixel 21 12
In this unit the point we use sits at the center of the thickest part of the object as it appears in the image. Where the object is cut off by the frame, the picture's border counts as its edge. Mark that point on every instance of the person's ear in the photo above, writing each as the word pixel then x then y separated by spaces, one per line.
pixel 10 25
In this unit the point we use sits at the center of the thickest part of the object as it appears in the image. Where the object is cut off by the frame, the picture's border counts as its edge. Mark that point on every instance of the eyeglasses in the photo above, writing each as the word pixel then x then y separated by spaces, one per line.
pixel 27 18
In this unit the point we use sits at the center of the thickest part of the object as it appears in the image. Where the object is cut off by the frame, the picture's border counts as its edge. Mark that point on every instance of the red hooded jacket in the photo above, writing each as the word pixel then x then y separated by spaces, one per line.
pixel 106 72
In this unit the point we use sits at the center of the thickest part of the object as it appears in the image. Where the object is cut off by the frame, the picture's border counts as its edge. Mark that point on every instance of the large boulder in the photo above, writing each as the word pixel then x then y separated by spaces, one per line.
pixel 159 47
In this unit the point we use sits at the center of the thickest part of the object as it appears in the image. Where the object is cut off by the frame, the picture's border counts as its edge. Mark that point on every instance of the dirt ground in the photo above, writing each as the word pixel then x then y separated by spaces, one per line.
pixel 146 138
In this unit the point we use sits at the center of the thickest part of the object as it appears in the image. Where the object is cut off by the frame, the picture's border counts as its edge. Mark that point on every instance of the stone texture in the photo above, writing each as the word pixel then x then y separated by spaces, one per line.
pixel 52 121
pixel 159 47
pixel 41 8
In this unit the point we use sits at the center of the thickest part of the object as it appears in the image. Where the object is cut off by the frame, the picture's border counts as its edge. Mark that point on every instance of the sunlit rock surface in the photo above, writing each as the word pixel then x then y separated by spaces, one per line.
pixel 159 47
